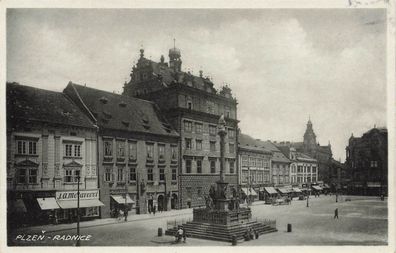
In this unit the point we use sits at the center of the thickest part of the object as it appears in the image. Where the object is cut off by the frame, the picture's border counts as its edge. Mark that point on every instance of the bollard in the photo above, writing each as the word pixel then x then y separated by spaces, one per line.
pixel 159 231
pixel 289 228
pixel 234 240
pixel 257 235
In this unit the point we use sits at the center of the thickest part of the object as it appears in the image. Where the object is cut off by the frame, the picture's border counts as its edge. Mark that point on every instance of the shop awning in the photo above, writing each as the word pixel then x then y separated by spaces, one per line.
pixel 295 189
pixel 249 192
pixel 316 187
pixel 284 190
pixel 69 204
pixel 326 186
pixel 47 203
pixel 121 199
pixel 18 206
pixel 270 190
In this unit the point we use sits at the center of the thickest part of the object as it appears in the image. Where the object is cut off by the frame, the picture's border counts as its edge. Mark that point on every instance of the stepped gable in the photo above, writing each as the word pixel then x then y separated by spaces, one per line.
pixel 25 103
pixel 118 112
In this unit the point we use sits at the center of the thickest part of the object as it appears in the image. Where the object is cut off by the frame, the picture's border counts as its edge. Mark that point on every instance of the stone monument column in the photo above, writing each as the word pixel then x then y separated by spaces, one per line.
pixel 222 202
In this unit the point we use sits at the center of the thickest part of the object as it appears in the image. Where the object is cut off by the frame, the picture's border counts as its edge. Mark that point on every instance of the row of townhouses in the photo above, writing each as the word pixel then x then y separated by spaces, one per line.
pixel 154 146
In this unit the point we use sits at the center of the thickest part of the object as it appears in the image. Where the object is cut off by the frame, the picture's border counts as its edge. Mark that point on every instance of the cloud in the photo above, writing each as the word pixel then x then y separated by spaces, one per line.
pixel 278 64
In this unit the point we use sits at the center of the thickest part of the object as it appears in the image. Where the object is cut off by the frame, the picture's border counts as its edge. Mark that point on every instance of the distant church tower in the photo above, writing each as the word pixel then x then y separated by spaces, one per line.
pixel 309 138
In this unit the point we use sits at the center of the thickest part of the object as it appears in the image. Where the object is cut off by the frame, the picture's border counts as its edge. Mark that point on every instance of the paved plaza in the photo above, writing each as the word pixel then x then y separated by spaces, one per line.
pixel 362 221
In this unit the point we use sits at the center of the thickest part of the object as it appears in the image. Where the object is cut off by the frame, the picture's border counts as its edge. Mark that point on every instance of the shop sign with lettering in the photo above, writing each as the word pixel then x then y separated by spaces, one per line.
pixel 72 195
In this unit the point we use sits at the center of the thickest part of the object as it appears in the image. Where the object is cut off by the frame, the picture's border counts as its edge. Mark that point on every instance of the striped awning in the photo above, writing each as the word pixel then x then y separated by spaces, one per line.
pixel 296 189
pixel 270 190
pixel 316 187
pixel 70 204
pixel 121 199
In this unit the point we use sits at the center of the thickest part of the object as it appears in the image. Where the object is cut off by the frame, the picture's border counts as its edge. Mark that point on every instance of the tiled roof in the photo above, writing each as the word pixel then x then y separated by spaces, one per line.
pixel 277 155
pixel 304 157
pixel 118 112
pixel 33 104
pixel 168 76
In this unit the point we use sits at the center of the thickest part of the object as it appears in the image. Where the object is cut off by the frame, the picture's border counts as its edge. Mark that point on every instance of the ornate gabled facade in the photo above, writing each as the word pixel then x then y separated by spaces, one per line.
pixel 50 143
pixel 193 107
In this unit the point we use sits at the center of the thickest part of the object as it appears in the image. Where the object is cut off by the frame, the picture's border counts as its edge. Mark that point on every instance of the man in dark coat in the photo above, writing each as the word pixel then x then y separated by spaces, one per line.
pixel 336 213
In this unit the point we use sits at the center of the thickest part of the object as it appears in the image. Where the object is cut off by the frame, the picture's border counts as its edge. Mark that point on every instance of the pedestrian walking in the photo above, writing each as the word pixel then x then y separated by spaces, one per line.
pixel 336 213
pixel 149 209
pixel 126 214
pixel 184 234
pixel 154 207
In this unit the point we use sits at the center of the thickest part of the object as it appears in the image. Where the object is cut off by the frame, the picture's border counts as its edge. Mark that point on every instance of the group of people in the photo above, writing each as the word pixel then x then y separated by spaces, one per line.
pixel 250 234
pixel 181 234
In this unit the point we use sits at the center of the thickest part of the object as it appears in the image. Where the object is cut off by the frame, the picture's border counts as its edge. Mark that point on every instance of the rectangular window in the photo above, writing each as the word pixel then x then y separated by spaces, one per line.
pixel 174 174
pixel 120 150
pixel 274 179
pixel 188 126
pixel 245 176
pixel 161 152
pixel 231 133
pixel 213 167
pixel 32 148
pixel 150 175
pixel 162 174
pixel 210 107
pixel 109 174
pixel 71 175
pixel 198 128
pixel 313 169
pixel 120 175
pixel 68 150
pixel 26 147
pixel 132 174
pixel 22 176
pixel 32 176
pixel 188 166
pixel 132 150
pixel 212 146
pixel 150 151
pixel 259 162
pixel 245 160
pixel 373 164
pixel 252 162
pixel 232 167
pixel 308 169
pixel 199 166
pixel 77 150
pixel 174 152
pixel 231 147
pixel 198 144
pixel 108 148
pixel 188 143
pixel 212 130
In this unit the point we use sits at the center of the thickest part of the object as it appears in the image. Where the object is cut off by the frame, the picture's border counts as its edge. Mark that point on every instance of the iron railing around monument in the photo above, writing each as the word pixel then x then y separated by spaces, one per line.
pixel 268 222
pixel 174 223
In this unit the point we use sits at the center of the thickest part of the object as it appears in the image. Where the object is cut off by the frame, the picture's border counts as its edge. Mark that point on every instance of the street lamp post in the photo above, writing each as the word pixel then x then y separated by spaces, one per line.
pixel 126 194
pixel 78 209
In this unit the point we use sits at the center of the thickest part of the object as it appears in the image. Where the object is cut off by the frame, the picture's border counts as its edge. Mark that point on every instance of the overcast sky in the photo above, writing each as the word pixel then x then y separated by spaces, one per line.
pixel 282 65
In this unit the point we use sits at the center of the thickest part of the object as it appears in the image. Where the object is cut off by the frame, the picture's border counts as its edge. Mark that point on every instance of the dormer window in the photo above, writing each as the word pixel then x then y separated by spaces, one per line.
pixel 103 100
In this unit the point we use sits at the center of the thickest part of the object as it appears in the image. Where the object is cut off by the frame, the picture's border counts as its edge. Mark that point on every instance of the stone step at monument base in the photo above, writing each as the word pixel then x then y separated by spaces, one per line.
pixel 220 232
